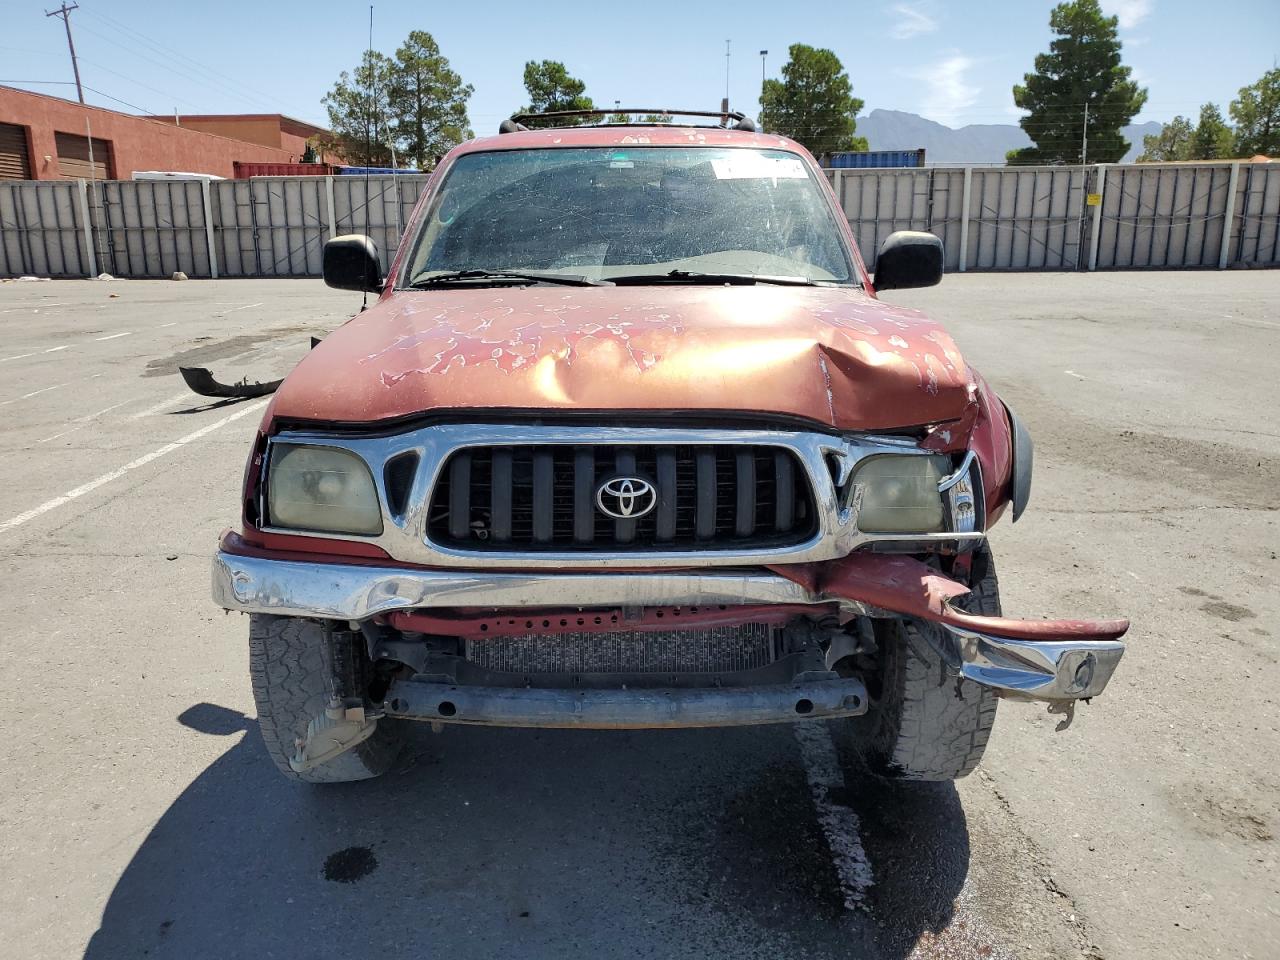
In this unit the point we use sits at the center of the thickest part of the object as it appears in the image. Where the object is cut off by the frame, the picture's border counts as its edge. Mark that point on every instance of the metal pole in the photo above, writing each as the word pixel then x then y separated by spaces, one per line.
pixel 65 13
pixel 1084 143
pixel 1227 216
pixel 208 229
pixel 964 217
pixel 1097 216
pixel 87 228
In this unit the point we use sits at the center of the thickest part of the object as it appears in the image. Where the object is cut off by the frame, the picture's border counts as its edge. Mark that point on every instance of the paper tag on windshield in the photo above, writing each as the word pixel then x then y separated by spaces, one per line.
pixel 752 166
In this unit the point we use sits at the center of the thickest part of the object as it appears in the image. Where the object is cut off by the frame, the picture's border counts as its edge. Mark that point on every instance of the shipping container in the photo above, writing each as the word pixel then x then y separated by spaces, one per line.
pixel 875 158
pixel 374 171
pixel 246 170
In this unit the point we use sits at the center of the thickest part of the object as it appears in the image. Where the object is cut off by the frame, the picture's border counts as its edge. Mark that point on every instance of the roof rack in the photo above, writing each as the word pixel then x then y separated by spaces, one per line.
pixel 741 120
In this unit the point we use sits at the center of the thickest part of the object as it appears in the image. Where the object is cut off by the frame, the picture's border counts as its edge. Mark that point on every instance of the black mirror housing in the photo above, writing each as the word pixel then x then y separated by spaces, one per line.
pixel 350 262
pixel 908 258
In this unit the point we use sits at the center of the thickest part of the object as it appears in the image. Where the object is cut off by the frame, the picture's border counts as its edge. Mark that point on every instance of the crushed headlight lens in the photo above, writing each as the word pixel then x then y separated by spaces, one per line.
pixel 321 488
pixel 900 493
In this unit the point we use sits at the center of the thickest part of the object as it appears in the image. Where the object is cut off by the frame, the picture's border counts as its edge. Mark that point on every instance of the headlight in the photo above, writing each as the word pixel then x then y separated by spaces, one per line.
pixel 900 493
pixel 321 488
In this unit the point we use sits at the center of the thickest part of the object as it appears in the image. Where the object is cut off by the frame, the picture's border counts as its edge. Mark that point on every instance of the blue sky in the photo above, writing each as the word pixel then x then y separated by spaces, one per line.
pixel 951 61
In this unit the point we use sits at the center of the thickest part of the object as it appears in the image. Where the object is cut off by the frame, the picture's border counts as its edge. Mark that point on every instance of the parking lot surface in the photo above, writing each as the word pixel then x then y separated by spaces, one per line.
pixel 139 814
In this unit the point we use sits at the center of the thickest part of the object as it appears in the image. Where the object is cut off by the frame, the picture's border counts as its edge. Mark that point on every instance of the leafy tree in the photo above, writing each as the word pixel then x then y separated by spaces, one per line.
pixel 813 103
pixel 1082 67
pixel 357 109
pixel 1213 138
pixel 619 118
pixel 427 102
pixel 1257 116
pixel 656 118
pixel 551 88
pixel 1173 142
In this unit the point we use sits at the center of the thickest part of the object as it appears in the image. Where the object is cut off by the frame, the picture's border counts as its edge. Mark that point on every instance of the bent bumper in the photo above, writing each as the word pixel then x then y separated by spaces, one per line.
pixel 629 709
pixel 1036 659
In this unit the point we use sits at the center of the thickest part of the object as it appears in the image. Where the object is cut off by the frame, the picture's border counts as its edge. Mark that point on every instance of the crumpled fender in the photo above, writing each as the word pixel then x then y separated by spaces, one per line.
pixel 907 586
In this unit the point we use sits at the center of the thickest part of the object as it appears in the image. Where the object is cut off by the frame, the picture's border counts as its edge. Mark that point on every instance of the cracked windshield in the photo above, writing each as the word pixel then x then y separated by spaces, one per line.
pixel 605 213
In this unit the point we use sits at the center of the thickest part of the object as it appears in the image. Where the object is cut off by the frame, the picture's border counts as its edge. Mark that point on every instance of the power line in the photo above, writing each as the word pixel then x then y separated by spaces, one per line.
pixel 230 84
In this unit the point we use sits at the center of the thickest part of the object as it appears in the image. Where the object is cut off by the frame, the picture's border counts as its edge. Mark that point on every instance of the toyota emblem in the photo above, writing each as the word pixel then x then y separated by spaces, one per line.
pixel 626 498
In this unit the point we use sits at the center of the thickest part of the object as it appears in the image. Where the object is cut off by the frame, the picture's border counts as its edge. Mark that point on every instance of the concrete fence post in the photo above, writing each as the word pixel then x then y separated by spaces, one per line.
pixel 1228 214
pixel 87 227
pixel 965 194
pixel 333 217
pixel 1096 229
pixel 208 229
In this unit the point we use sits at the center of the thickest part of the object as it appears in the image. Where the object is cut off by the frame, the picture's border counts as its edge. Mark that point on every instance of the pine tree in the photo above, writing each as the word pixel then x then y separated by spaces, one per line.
pixel 1212 139
pixel 1257 116
pixel 1082 68
pixel 813 103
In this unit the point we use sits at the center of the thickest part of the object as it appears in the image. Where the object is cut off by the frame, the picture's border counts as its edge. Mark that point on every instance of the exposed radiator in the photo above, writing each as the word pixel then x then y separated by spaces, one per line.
pixel 716 650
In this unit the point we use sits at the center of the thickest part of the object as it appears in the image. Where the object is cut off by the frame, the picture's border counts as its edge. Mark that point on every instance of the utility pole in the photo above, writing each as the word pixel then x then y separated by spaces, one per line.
pixel 763 54
pixel 1084 143
pixel 65 13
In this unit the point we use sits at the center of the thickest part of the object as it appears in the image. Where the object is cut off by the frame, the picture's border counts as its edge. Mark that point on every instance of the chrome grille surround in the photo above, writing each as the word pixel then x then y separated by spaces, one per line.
pixel 826 463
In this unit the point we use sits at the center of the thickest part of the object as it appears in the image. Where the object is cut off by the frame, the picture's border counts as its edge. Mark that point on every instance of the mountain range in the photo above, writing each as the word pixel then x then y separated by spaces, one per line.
pixel 974 143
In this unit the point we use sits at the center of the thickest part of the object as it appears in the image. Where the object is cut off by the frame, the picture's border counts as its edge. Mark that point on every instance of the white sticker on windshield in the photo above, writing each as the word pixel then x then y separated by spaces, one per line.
pixel 752 166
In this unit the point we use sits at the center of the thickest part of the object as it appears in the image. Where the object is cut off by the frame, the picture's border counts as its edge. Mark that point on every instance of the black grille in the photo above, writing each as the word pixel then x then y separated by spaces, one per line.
pixel 713 650
pixel 543 498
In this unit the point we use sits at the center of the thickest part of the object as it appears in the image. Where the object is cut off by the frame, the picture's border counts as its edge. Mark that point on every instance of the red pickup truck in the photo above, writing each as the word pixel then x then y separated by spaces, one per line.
pixel 629 440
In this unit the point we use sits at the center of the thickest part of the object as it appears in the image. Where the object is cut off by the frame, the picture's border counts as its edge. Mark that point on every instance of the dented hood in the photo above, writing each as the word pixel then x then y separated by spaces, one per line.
pixel 833 355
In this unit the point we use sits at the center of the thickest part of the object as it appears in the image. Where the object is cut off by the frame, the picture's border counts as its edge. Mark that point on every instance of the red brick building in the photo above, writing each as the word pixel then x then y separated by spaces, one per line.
pixel 48 138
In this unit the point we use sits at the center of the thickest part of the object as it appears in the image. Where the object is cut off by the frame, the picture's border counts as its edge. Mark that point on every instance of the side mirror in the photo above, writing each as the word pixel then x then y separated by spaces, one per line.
pixel 908 258
pixel 351 263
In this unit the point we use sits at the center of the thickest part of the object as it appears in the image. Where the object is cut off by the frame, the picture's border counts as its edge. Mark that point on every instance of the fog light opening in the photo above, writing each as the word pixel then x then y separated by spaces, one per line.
pixel 804 706
pixel 446 709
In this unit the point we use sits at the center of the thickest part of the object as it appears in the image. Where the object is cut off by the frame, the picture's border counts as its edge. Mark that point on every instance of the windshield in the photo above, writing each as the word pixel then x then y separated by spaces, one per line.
pixel 604 212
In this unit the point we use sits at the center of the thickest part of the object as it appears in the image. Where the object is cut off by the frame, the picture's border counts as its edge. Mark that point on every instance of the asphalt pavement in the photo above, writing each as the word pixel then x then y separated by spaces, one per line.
pixel 139 815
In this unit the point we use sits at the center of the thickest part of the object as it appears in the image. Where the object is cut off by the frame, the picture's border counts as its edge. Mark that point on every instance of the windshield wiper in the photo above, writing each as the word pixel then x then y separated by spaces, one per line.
pixel 693 276
pixel 469 276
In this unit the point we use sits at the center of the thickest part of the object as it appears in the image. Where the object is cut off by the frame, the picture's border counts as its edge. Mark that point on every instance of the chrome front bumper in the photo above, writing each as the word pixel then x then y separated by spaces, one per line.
pixel 1053 668
pixel 334 591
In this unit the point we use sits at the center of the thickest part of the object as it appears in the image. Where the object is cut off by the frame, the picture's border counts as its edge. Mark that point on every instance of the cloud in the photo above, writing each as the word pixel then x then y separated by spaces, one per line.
pixel 948 93
pixel 1130 12
pixel 912 21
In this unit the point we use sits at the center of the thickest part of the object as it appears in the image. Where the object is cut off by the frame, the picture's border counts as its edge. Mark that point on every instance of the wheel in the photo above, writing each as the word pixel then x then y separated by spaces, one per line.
pixel 291 686
pixel 926 722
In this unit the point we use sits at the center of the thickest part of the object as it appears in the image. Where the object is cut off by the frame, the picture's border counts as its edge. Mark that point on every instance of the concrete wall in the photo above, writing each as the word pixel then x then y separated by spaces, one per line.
pixel 136 144
pixel 1017 218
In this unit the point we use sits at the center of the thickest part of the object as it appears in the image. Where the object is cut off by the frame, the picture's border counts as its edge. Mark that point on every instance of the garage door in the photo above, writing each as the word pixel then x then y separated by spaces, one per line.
pixel 73 157
pixel 14 162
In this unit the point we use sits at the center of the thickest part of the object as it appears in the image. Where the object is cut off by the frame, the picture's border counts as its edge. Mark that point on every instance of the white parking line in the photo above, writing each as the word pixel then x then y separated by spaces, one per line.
pixel 112 336
pixel 82 422
pixel 36 393
pixel 119 472
pixel 839 824
pixel 23 356
pixel 176 398
pixel 247 306
pixel 171 323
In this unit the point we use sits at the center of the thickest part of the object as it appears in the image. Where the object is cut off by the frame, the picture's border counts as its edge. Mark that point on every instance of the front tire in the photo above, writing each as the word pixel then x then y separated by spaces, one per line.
pixel 291 686
pixel 928 723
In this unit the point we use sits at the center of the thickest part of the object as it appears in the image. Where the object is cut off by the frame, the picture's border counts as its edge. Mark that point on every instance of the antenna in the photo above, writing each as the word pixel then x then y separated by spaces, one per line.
pixel 368 143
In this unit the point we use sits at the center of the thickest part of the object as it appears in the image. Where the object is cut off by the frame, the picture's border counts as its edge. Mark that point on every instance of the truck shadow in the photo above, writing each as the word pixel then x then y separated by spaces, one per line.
pixel 554 844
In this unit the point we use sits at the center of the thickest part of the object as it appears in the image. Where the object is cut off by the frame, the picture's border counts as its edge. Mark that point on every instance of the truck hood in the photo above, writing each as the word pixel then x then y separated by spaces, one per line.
pixel 833 355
